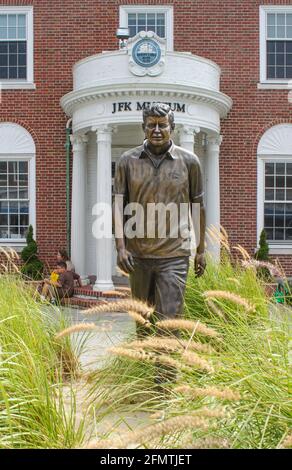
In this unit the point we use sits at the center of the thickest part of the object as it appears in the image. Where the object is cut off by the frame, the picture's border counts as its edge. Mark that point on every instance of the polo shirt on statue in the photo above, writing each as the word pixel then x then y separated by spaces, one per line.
pixel 173 181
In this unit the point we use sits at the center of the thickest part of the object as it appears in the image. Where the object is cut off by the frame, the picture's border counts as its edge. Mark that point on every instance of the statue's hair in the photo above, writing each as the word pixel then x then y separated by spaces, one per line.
pixel 159 110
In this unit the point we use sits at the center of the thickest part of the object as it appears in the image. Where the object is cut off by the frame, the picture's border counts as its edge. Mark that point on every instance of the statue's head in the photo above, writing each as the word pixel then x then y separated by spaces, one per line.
pixel 158 124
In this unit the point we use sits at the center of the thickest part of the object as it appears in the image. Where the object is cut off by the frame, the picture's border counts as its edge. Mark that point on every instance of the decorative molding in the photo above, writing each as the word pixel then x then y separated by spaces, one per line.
pixel 139 70
pixel 15 140
pixel 78 141
pixel 276 141
pixel 214 141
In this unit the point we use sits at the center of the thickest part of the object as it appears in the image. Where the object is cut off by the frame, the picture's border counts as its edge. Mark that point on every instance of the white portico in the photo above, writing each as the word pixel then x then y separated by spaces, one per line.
pixel 110 90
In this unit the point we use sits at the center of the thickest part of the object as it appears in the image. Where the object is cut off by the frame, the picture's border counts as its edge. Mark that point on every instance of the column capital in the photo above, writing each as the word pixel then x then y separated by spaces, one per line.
pixel 104 132
pixel 78 141
pixel 214 140
pixel 189 130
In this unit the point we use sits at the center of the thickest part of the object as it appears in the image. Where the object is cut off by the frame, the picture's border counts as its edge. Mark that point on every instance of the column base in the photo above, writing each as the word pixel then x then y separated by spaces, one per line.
pixel 101 286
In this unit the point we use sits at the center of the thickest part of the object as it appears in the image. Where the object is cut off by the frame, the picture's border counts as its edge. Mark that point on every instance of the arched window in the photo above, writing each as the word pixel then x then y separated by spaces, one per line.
pixel 17 183
pixel 275 187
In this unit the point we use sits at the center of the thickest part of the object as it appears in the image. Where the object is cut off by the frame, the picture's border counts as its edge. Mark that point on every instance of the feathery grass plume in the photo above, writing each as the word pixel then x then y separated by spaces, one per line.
pixel 224 394
pixel 222 294
pixel 146 356
pixel 273 270
pixel 115 293
pixel 234 280
pixel 287 443
pixel 170 345
pixel 122 272
pixel 219 236
pixel 5 252
pixel 81 327
pixel 193 359
pixel 123 306
pixel 213 307
pixel 4 267
pixel 154 431
pixel 139 319
pixel 189 325
pixel 245 255
pixel 204 443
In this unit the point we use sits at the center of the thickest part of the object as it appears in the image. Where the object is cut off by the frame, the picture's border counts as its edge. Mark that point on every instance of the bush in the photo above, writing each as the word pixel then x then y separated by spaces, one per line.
pixel 33 266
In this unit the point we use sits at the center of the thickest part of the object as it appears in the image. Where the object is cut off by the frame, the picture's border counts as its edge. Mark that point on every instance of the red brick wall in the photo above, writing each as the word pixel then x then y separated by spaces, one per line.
pixel 224 31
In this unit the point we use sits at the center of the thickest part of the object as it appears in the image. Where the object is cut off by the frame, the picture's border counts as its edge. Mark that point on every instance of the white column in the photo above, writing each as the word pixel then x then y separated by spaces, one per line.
pixel 213 193
pixel 187 135
pixel 78 222
pixel 104 196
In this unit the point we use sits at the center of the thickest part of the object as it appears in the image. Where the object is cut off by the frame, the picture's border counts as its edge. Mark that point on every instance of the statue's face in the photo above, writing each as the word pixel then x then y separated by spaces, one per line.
pixel 157 130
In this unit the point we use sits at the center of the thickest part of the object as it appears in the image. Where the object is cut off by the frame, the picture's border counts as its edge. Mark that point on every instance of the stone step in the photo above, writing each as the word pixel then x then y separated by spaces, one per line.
pixel 87 291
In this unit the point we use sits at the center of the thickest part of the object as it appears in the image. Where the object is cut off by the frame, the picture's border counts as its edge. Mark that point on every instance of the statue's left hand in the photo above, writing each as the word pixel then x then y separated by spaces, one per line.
pixel 200 264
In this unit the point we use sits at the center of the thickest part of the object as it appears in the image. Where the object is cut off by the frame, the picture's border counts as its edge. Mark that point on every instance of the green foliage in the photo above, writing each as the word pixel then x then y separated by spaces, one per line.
pixel 34 412
pixel 263 252
pixel 33 267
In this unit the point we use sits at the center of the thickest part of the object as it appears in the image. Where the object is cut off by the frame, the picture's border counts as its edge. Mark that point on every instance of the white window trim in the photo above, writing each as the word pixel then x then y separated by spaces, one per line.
pixel 274 248
pixel 167 9
pixel 29 82
pixel 21 242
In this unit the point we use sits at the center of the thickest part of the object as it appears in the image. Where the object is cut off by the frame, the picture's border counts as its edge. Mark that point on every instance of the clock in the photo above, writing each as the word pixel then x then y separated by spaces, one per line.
pixel 146 52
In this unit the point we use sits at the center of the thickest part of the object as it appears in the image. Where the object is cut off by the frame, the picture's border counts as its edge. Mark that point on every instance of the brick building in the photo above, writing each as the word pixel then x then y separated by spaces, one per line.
pixel 224 67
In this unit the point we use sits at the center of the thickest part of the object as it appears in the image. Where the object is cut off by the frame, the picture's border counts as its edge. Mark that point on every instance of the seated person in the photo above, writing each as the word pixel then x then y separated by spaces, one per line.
pixel 63 287
pixel 63 256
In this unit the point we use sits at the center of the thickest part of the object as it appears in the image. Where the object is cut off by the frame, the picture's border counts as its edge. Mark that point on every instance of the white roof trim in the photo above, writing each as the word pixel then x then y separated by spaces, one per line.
pixel 14 139
pixel 276 141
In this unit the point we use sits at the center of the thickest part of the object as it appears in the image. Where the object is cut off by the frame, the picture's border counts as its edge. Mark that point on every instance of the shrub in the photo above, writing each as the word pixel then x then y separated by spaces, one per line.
pixel 33 267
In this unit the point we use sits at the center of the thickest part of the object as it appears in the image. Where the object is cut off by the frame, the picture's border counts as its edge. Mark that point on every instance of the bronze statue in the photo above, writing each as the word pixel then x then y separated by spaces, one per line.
pixel 159 173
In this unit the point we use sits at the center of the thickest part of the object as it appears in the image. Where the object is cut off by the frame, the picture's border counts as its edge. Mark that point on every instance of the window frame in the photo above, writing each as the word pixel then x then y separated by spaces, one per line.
pixel 8 84
pixel 30 158
pixel 276 247
pixel 166 9
pixel 264 81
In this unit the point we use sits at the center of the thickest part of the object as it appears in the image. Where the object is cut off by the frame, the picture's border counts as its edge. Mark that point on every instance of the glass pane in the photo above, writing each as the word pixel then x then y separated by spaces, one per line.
pixel 271 47
pixel 4 207
pixel 3 167
pixel 271 60
pixel 14 232
pixel 132 30
pixel 280 18
pixel 269 194
pixel 280 59
pixel 13 219
pixel 141 19
pixel 3 219
pixel 280 168
pixel 22 59
pixel 271 72
pixel 23 207
pixel 21 20
pixel 280 181
pixel 23 232
pixel 24 219
pixel 289 181
pixel 3 33
pixel 161 19
pixel 271 19
pixel 280 72
pixel 271 32
pixel 12 20
pixel 22 72
pixel 3 21
pixel 280 47
pixel 4 232
pixel 12 33
pixel 22 47
pixel 23 193
pixel 12 192
pixel 269 168
pixel 289 72
pixel 269 221
pixel 13 207
pixel 289 59
pixel 269 181
pixel 12 47
pixel 23 167
pixel 289 168
pixel 288 32
pixel 281 32
pixel 3 193
pixel 269 233
pixel 12 72
pixel 3 47
pixel 279 234
pixel 13 60
pixel 279 221
pixel 3 60
pixel 23 180
pixel 3 72
pixel 3 180
pixel 13 180
pixel 289 194
pixel 21 33
pixel 288 234
pixel 160 31
pixel 280 195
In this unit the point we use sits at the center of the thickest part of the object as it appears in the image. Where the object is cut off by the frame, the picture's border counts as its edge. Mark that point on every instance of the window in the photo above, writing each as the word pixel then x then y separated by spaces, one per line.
pixel 16 47
pixel 278 201
pixel 17 183
pixel 275 187
pixel 149 18
pixel 14 199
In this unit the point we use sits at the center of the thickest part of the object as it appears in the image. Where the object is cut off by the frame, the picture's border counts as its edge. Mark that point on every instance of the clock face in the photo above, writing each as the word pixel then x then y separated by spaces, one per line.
pixel 146 53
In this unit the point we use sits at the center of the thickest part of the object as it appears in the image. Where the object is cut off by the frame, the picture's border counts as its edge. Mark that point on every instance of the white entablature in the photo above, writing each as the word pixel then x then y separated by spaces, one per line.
pixel 106 79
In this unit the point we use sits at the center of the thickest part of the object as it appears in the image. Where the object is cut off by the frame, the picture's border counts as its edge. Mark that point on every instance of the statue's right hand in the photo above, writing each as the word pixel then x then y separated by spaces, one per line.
pixel 125 261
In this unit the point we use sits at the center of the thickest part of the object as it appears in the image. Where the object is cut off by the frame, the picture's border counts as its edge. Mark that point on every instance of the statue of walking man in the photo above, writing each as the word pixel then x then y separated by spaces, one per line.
pixel 159 174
